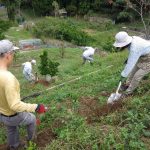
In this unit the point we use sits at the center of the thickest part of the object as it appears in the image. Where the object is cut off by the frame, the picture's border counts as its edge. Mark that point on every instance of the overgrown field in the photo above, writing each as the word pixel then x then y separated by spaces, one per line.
pixel 77 117
pixel 76 31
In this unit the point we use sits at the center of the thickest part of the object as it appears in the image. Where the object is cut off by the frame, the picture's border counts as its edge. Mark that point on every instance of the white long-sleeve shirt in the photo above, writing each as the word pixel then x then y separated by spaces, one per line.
pixel 88 51
pixel 27 67
pixel 139 47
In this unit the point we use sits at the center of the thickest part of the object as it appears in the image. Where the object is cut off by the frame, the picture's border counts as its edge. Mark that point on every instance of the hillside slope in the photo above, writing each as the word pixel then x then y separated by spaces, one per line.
pixel 78 117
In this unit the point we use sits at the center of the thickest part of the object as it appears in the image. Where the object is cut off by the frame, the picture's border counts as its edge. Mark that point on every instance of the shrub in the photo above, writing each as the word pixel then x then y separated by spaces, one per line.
pixel 4 25
pixel 1 35
pixel 47 66
pixel 124 17
pixel 108 45
pixel 59 29
pixel 72 10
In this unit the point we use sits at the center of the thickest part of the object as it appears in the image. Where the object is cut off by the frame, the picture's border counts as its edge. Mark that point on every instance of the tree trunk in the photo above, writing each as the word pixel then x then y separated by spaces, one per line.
pixel 10 4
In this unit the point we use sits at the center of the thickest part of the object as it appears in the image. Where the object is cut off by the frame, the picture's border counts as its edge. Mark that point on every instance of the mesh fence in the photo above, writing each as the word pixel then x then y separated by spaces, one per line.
pixel 31 43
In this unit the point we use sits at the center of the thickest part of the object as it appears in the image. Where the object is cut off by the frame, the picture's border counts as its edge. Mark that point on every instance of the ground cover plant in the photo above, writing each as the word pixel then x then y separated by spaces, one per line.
pixel 78 117
pixel 67 125
pixel 50 27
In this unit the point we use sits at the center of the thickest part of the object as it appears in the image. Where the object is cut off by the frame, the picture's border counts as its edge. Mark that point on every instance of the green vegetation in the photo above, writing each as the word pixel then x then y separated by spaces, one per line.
pixel 75 115
pixel 47 66
pixel 4 26
pixel 61 28
pixel 16 33
pixel 124 128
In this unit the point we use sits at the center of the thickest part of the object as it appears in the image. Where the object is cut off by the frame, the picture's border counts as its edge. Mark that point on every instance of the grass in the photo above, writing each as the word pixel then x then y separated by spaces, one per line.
pixel 122 129
pixel 76 133
pixel 17 33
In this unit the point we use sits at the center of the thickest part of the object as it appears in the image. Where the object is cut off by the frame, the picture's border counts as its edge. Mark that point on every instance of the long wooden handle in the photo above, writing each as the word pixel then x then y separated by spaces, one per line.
pixel 118 87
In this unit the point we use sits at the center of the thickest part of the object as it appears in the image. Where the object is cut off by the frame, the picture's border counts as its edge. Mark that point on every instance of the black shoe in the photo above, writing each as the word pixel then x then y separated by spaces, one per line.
pixel 124 87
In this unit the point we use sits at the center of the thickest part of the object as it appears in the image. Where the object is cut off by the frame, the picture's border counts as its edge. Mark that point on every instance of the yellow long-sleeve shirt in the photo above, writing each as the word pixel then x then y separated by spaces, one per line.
pixel 10 102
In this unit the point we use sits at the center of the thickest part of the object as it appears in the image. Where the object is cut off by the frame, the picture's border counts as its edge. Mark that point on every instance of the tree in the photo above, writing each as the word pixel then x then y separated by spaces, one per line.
pixel 47 66
pixel 42 7
pixel 56 8
pixel 4 26
pixel 12 6
pixel 142 8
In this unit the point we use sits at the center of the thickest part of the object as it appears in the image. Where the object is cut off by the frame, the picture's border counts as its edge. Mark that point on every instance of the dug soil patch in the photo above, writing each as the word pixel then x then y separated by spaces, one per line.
pixel 43 82
pixel 3 147
pixel 45 137
pixel 91 109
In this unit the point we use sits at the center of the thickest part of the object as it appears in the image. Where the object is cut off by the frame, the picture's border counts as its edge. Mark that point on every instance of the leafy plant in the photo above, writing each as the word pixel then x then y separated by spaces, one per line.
pixel 59 29
pixel 4 25
pixel 32 146
pixel 108 45
pixel 47 66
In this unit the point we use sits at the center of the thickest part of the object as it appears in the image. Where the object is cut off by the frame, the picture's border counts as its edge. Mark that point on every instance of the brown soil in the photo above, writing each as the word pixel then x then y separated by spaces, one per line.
pixel 45 137
pixel 92 110
pixel 105 93
pixel 43 82
pixel 67 103
pixel 89 108
pixel 3 147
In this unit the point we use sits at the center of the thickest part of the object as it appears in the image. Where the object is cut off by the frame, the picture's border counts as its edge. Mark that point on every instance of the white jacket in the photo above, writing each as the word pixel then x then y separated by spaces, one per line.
pixel 139 47
pixel 88 51
pixel 27 67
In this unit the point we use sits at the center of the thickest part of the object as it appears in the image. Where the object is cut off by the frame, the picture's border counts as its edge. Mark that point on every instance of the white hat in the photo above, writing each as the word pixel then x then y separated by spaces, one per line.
pixel 7 46
pixel 122 39
pixel 33 62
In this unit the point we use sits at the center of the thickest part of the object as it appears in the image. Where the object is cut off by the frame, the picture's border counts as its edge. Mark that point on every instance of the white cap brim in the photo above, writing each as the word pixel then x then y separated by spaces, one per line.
pixel 117 44
pixel 15 48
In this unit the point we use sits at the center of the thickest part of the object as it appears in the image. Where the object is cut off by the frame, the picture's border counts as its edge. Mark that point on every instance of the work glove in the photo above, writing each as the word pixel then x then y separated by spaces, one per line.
pixel 41 109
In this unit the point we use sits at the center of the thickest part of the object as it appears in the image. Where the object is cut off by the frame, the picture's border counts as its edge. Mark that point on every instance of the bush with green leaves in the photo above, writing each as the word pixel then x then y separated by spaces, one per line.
pixel 61 28
pixel 47 66
pixel 108 45
pixel 1 35
pixel 4 26
pixel 124 17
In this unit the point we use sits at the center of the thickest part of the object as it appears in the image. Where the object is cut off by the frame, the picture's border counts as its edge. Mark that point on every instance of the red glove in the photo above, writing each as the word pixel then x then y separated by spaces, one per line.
pixel 40 109
pixel 38 122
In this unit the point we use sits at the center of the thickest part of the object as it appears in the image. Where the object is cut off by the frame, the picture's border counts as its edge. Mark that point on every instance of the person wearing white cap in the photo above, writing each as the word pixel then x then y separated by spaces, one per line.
pixel 14 112
pixel 27 70
pixel 88 54
pixel 138 63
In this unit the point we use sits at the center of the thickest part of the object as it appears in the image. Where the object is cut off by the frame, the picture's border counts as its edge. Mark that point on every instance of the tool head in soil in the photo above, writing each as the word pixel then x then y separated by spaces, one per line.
pixel 114 96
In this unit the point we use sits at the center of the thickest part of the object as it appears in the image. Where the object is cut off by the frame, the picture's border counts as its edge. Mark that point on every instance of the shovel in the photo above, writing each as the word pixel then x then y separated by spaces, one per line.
pixel 114 96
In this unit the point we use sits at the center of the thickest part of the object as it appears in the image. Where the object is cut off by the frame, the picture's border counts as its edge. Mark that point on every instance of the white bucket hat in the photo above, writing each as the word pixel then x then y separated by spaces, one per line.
pixel 33 62
pixel 122 39
pixel 7 46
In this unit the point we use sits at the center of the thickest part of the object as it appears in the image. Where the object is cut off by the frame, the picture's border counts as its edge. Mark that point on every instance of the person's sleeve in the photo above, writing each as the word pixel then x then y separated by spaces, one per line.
pixel 12 91
pixel 132 60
